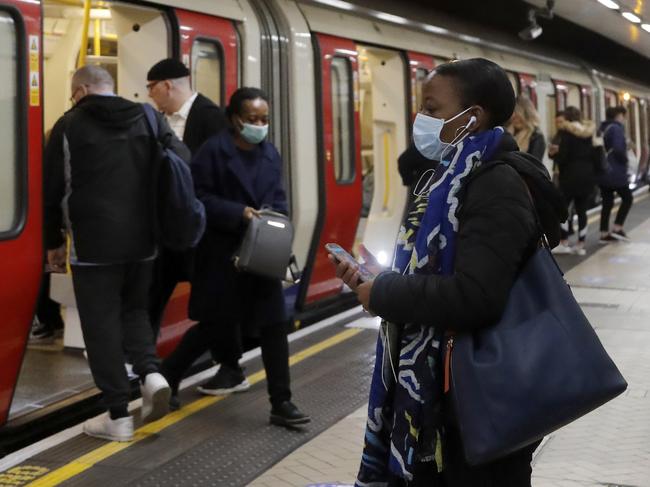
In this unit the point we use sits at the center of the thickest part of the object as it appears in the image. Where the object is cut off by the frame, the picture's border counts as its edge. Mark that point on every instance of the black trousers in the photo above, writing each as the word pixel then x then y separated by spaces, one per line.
pixel 226 340
pixel 608 203
pixel 581 205
pixel 511 471
pixel 113 308
pixel 47 310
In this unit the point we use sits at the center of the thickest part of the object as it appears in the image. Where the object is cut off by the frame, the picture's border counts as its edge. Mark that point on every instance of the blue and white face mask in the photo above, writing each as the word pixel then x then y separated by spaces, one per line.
pixel 254 134
pixel 426 135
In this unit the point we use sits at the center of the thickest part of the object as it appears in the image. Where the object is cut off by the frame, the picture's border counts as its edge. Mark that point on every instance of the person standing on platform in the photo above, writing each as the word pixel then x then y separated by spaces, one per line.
pixel 524 126
pixel 575 161
pixel 456 259
pixel 98 175
pixel 236 173
pixel 193 118
pixel 615 179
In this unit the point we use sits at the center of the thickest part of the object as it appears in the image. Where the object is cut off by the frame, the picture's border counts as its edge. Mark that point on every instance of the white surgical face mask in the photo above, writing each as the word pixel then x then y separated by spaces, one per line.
pixel 426 135
pixel 254 134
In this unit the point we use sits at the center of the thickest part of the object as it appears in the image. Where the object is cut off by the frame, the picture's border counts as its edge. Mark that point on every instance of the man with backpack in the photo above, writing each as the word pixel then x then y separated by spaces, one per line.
pixel 614 177
pixel 100 193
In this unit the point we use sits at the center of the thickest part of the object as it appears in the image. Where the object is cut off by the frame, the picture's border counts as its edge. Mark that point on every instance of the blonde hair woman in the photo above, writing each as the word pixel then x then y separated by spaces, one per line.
pixel 524 126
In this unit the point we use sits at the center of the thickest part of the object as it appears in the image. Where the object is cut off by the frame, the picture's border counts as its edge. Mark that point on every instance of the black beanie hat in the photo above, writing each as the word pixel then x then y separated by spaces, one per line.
pixel 167 69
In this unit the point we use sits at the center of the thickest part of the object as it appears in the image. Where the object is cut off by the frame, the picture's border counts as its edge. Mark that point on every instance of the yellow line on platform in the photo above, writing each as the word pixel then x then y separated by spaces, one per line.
pixel 95 456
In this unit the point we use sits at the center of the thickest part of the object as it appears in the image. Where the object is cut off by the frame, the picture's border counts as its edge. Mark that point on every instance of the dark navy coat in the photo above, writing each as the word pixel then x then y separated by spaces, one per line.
pixel 614 138
pixel 220 293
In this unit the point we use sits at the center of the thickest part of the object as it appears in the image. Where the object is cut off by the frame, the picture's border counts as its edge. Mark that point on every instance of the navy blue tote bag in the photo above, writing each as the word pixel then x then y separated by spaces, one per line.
pixel 540 367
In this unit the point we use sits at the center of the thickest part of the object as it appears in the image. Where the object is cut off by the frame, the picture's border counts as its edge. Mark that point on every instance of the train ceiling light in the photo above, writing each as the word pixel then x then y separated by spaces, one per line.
pixel 632 17
pixel 533 30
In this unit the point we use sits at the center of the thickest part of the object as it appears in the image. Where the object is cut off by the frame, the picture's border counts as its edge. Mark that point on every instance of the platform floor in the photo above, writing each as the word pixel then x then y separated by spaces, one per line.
pixel 228 441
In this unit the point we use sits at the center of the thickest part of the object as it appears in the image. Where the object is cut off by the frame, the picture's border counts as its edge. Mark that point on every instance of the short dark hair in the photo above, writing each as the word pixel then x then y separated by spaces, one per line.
pixel 236 104
pixel 572 114
pixel 560 113
pixel 482 82
pixel 612 112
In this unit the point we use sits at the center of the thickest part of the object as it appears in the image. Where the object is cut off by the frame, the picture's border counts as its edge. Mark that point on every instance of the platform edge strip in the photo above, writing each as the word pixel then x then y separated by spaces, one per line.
pixel 95 456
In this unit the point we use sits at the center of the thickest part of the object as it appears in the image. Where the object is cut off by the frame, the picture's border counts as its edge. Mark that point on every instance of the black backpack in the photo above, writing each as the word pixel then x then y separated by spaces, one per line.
pixel 179 215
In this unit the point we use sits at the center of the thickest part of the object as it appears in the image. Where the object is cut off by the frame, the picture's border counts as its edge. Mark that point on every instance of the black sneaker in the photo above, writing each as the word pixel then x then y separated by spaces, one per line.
pixel 288 414
pixel 41 333
pixel 620 235
pixel 607 239
pixel 225 381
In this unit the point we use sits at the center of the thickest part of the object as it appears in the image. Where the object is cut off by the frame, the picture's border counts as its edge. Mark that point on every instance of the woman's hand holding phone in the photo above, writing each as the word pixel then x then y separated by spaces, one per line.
pixel 358 278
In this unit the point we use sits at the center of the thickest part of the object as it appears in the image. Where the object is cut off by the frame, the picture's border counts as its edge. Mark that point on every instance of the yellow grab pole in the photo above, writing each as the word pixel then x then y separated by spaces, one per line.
pixel 97 38
pixel 84 35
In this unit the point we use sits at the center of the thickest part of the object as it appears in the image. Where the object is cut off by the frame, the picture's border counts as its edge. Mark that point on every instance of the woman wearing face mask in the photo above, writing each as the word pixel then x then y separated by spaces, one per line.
pixel 237 173
pixel 467 235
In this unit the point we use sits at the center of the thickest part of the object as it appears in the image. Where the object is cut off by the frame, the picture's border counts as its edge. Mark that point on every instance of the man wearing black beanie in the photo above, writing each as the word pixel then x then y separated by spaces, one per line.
pixel 194 119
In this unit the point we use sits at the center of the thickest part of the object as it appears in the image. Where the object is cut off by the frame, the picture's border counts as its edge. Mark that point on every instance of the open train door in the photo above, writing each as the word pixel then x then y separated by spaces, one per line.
pixel 21 220
pixel 208 47
pixel 339 159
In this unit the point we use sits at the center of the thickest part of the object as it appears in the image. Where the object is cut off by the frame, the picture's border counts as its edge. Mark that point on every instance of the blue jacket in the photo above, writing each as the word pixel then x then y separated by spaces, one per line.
pixel 614 138
pixel 220 293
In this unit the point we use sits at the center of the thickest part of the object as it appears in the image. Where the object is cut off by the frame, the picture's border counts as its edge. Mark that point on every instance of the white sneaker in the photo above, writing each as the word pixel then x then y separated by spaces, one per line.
pixel 579 251
pixel 562 249
pixel 120 429
pixel 155 397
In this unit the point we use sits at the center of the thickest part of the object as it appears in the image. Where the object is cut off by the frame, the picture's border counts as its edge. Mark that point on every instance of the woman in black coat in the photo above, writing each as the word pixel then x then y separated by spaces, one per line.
pixel 575 162
pixel 457 278
pixel 236 173
pixel 524 126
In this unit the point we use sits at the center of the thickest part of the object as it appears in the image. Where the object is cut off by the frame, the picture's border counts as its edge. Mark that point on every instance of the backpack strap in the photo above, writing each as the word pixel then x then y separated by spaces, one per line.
pixel 152 121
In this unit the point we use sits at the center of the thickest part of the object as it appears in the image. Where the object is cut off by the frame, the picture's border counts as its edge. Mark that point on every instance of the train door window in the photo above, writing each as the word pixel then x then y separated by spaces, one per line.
pixel 9 154
pixel 574 97
pixel 342 121
pixel 420 76
pixel 207 62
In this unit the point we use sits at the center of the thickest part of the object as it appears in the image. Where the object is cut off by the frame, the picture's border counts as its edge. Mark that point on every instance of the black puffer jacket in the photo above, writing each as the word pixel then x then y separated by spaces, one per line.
pixel 575 158
pixel 497 233
pixel 98 168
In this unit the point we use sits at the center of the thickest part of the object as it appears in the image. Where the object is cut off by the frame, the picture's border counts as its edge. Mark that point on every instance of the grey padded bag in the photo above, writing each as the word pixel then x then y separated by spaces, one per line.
pixel 266 247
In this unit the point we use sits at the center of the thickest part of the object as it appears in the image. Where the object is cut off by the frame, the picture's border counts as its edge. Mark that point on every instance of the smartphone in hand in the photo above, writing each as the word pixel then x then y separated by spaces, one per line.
pixel 341 255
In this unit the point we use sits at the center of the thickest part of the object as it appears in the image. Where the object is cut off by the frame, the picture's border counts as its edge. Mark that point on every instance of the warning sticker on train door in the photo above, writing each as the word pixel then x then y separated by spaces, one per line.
pixel 34 72
pixel 34 89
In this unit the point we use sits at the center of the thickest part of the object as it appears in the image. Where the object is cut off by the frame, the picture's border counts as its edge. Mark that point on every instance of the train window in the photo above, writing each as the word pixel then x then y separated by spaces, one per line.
pixel 342 121
pixel 420 75
pixel 573 97
pixel 9 153
pixel 207 62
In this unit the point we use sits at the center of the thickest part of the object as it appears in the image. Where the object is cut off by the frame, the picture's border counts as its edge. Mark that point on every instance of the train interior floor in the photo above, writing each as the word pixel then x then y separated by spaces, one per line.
pixel 229 442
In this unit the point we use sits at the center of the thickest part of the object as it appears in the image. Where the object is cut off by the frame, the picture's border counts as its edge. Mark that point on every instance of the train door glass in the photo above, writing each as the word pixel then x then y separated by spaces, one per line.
pixel 342 115
pixel 10 163
pixel 420 76
pixel 574 97
pixel 384 115
pixel 207 62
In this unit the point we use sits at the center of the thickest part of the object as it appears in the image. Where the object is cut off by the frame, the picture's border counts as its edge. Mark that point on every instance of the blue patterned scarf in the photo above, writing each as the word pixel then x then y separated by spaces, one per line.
pixel 405 395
